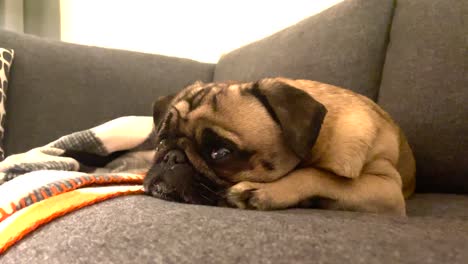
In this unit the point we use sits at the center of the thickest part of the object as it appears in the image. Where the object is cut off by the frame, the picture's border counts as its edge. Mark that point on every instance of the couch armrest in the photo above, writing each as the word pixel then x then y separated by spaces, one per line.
pixel 56 88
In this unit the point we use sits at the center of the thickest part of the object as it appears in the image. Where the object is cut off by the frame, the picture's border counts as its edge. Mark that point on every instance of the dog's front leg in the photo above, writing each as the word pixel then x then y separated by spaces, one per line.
pixel 369 192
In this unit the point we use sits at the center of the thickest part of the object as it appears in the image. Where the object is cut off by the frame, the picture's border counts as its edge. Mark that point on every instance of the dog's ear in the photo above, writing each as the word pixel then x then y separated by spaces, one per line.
pixel 160 106
pixel 298 114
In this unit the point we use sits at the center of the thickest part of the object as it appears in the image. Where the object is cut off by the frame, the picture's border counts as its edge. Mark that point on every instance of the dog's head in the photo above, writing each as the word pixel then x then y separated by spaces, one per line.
pixel 214 135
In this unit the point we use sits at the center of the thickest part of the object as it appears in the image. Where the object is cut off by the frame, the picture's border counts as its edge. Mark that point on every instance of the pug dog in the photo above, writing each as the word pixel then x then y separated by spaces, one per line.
pixel 279 143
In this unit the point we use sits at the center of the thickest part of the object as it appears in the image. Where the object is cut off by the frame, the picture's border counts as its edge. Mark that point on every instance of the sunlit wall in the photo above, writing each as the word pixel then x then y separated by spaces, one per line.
pixel 201 30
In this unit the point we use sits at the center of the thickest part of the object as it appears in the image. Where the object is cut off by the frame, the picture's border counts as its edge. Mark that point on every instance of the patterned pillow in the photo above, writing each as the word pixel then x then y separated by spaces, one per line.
pixel 6 60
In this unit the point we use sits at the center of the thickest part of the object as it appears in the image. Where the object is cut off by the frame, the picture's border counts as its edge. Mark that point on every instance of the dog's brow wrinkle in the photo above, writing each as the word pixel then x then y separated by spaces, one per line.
pixel 178 118
pixel 214 103
pixel 214 99
pixel 223 90
pixel 166 122
pixel 190 99
pixel 197 98
pixel 184 95
pixel 176 110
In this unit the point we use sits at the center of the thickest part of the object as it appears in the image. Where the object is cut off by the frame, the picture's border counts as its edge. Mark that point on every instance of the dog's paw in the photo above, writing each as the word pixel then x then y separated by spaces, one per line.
pixel 259 196
pixel 240 194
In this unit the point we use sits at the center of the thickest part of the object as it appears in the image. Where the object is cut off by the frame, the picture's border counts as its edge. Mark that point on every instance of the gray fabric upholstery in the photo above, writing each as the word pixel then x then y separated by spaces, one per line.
pixel 438 205
pixel 142 229
pixel 344 45
pixel 424 88
pixel 58 88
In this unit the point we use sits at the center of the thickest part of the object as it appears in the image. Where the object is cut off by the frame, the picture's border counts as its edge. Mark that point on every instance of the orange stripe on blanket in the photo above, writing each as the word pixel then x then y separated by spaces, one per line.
pixel 73 183
pixel 54 190
pixel 3 214
pixel 30 218
pixel 33 197
pixel 67 185
pixel 22 203
pixel 44 193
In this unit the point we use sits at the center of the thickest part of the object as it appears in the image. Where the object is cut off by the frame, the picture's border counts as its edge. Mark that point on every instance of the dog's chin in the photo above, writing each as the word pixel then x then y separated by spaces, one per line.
pixel 180 183
pixel 157 185
pixel 162 191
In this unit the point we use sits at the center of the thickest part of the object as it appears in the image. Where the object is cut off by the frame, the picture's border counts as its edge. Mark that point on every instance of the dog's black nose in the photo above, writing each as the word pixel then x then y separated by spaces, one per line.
pixel 175 156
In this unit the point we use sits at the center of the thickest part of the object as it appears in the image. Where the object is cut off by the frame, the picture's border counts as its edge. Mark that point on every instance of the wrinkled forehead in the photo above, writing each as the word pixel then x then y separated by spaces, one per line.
pixel 223 107
pixel 211 97
pixel 230 110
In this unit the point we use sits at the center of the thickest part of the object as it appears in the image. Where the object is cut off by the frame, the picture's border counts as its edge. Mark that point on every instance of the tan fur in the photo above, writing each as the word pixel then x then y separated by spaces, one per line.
pixel 360 161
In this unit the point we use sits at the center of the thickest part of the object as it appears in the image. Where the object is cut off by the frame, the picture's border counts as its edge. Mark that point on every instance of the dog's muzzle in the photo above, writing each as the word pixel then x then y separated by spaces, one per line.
pixel 174 178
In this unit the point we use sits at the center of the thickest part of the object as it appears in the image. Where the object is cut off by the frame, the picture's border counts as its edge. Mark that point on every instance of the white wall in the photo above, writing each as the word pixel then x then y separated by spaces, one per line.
pixel 201 30
pixel 11 15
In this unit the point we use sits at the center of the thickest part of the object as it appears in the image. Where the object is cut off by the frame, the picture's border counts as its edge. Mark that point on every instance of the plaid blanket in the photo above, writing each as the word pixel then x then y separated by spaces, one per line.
pixel 74 171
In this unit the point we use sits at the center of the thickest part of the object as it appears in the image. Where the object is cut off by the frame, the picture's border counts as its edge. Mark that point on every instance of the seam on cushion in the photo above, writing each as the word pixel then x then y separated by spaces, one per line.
pixel 213 71
pixel 387 44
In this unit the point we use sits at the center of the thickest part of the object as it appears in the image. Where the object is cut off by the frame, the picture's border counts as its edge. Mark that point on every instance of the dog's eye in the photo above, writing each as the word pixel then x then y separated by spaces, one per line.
pixel 221 153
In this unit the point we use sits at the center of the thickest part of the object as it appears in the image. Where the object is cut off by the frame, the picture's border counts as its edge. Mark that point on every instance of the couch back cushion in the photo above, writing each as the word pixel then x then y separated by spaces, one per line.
pixel 425 87
pixel 343 45
pixel 57 88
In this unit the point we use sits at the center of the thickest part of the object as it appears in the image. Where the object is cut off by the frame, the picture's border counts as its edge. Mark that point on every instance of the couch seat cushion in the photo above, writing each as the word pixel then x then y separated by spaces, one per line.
pixel 141 229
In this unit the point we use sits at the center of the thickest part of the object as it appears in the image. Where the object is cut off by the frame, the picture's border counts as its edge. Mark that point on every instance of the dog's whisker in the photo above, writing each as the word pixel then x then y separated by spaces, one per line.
pixel 207 188
pixel 206 198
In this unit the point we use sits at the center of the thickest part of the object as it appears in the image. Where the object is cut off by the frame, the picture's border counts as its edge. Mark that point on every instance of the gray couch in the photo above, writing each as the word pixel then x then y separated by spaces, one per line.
pixel 408 55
